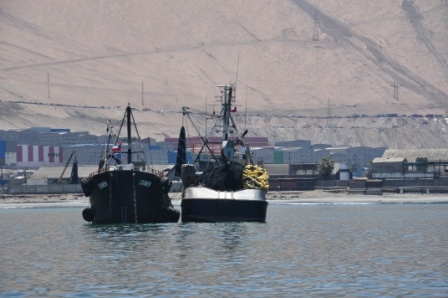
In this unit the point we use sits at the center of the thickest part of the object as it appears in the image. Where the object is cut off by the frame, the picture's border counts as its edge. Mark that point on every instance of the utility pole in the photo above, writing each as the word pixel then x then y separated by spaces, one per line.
pixel 316 27
pixel 48 84
pixel 329 122
pixel 396 85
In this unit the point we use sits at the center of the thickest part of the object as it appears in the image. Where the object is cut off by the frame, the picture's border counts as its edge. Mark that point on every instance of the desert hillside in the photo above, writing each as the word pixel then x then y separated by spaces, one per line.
pixel 302 68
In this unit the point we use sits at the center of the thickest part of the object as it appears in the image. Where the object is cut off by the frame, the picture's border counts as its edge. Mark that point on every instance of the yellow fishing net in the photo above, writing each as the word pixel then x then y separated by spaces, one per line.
pixel 255 177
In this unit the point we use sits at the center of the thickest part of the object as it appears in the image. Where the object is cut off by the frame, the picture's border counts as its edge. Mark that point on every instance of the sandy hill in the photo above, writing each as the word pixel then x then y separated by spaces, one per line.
pixel 74 64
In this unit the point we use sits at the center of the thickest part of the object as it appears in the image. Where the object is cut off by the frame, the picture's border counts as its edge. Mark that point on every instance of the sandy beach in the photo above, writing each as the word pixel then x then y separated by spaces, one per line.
pixel 315 196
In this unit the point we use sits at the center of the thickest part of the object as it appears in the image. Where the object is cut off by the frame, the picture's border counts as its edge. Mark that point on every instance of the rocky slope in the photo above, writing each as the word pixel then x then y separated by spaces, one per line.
pixel 74 64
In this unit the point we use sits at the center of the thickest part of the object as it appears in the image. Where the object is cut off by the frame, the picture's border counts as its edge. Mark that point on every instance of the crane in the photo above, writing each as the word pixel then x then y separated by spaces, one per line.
pixel 59 181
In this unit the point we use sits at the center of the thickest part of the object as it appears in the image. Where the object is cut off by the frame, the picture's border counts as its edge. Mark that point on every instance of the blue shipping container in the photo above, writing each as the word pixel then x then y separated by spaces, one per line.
pixel 2 152
pixel 172 156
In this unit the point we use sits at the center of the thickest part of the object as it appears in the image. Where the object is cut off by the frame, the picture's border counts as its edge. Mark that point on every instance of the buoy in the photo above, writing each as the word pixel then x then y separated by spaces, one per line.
pixel 166 185
pixel 86 186
pixel 87 214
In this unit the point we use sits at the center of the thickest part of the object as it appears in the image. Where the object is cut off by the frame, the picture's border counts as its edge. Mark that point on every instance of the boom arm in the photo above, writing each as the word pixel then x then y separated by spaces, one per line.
pixel 65 168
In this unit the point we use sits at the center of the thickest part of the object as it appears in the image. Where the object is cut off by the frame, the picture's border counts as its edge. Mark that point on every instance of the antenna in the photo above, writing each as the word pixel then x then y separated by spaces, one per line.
pixel 206 117
pixel 247 87
pixel 237 66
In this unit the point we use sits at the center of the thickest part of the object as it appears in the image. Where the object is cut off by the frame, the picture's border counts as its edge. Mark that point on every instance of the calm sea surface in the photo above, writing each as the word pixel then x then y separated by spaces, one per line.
pixel 304 250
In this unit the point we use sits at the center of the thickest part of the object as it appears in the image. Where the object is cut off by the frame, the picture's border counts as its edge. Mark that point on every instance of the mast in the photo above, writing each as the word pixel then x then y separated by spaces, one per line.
pixel 128 115
pixel 226 111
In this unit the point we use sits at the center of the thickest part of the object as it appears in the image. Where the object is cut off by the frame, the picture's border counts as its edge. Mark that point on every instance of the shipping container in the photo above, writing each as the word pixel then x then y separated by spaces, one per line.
pixel 172 157
pixel 278 156
pixel 10 158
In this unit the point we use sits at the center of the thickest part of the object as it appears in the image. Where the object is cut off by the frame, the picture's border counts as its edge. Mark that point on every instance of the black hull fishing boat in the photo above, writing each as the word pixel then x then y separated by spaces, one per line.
pixel 126 191
pixel 230 187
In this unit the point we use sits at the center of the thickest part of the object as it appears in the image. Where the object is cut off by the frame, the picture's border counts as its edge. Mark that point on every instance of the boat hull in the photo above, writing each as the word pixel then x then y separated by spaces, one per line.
pixel 200 204
pixel 128 197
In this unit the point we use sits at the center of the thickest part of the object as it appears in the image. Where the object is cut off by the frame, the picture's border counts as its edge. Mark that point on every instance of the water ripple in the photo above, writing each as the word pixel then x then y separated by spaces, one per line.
pixel 373 250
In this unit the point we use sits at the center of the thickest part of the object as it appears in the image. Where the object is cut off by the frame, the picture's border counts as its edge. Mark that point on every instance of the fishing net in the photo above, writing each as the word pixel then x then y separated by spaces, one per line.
pixel 226 177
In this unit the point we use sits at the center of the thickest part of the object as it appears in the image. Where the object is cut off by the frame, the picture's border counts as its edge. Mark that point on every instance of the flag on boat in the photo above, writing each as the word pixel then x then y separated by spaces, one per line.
pixel 116 150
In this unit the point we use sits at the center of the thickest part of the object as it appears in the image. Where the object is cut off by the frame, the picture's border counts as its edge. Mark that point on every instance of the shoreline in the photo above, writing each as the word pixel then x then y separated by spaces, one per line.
pixel 313 196
pixel 323 196
pixel 43 199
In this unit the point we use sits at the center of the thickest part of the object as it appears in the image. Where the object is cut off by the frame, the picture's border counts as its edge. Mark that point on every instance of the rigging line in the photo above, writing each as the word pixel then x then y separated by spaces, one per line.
pixel 205 142
pixel 150 153
pixel 188 140
pixel 107 138
pixel 121 125
pixel 188 137
pixel 140 141
pixel 245 113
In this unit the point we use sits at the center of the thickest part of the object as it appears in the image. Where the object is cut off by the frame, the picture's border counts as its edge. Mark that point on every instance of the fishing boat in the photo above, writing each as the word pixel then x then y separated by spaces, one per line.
pixel 125 189
pixel 224 184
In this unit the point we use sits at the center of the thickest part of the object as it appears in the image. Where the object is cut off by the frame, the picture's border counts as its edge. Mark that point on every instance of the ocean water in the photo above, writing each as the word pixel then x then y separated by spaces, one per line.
pixel 303 250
